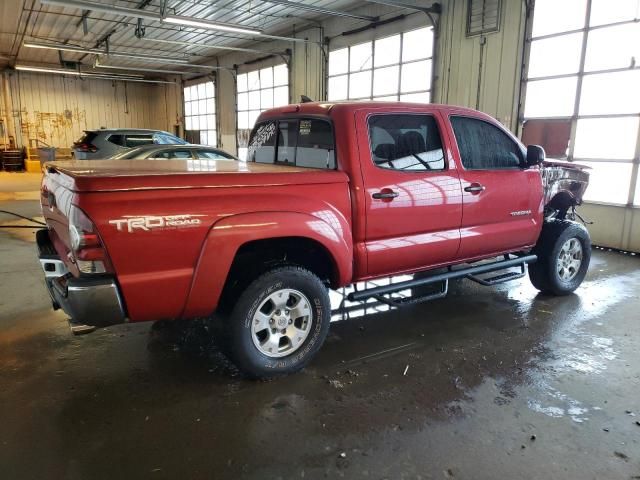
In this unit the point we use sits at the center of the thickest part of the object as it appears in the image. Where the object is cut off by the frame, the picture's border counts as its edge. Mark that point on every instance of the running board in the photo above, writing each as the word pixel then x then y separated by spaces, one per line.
pixel 403 302
pixel 468 272
pixel 502 278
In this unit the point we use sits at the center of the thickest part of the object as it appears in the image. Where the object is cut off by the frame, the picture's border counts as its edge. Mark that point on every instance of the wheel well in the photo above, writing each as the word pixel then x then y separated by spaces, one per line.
pixel 256 257
pixel 561 203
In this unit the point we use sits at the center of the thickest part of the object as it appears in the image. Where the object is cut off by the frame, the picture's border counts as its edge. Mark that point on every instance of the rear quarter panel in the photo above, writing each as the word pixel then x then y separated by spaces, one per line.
pixel 155 266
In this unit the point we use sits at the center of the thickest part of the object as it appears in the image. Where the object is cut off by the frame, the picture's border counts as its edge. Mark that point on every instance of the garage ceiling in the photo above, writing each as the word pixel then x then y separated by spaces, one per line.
pixel 38 22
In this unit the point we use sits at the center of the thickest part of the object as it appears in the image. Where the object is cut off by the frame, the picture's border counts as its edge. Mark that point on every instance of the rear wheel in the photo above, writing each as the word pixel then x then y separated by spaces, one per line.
pixel 564 253
pixel 279 323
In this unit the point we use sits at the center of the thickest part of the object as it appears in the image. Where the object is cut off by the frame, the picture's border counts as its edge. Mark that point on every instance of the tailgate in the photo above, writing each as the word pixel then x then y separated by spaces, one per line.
pixel 56 194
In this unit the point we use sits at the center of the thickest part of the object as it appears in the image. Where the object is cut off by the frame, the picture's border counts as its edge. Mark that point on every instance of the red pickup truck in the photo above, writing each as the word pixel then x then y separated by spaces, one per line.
pixel 332 194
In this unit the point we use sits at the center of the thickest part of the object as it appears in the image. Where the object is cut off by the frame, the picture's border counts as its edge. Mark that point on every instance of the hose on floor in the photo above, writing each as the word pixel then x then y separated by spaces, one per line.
pixel 37 223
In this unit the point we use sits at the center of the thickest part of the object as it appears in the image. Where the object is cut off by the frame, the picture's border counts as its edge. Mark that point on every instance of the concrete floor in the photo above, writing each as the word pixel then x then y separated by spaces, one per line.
pixel 500 383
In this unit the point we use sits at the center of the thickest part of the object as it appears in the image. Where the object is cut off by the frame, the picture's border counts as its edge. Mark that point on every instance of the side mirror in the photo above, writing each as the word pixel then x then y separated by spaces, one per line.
pixel 535 155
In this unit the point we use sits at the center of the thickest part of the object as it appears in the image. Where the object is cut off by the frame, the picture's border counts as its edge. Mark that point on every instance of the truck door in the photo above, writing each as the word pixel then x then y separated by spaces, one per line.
pixel 413 200
pixel 502 201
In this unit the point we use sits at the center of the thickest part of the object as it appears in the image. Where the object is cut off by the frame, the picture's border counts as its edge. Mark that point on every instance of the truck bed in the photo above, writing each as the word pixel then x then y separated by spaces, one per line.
pixel 114 175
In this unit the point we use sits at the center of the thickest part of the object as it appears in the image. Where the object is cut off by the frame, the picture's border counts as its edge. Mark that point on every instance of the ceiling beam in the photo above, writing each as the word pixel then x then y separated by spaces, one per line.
pixel 102 7
pixel 433 8
pixel 325 11
pixel 193 22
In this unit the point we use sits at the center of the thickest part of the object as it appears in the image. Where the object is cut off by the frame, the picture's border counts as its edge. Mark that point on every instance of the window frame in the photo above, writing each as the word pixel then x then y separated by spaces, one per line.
pixel 297 119
pixel 399 64
pixel 197 99
pixel 498 127
pixel 259 90
pixel 438 127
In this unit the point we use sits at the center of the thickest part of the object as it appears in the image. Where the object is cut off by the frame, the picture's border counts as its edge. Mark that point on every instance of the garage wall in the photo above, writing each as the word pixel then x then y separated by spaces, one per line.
pixel 56 109
pixel 481 72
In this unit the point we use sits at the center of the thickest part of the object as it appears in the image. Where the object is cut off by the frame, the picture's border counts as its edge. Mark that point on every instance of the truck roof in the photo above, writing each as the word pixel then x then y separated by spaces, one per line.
pixel 327 108
pixel 127 130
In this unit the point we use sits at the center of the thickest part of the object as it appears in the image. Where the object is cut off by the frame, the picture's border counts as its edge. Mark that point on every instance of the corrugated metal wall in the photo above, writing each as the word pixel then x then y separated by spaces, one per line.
pixel 55 109
pixel 481 72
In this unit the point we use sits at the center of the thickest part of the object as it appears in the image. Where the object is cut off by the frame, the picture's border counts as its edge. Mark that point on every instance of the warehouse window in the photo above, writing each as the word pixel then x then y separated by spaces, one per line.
pixel 258 91
pixel 200 113
pixel 391 68
pixel 581 93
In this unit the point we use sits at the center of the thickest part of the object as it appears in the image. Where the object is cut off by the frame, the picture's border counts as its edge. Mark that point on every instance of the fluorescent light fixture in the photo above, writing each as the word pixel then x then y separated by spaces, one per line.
pixel 186 65
pixel 209 24
pixel 68 71
pixel 93 51
pixel 137 69
pixel 100 76
pixel 101 7
pixel 204 44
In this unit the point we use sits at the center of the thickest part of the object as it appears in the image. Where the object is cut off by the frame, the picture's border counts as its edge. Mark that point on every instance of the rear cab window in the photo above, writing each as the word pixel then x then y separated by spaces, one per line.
pixel 303 142
pixel 408 142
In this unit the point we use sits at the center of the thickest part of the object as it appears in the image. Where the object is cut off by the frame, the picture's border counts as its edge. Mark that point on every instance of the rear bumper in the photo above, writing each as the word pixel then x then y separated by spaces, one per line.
pixel 90 302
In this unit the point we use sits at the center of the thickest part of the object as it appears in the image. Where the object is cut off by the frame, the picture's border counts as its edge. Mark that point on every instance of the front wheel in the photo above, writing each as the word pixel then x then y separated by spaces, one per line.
pixel 564 253
pixel 279 323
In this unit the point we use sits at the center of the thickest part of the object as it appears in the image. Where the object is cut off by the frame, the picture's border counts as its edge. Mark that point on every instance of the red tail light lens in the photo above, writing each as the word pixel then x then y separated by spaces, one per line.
pixel 85 147
pixel 86 246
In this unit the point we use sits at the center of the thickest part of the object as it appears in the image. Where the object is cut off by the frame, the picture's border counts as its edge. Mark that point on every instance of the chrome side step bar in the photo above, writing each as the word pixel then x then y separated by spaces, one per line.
pixel 468 272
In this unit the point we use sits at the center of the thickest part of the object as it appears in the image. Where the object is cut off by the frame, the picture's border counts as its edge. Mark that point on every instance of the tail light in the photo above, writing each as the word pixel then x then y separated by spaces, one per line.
pixel 87 249
pixel 85 147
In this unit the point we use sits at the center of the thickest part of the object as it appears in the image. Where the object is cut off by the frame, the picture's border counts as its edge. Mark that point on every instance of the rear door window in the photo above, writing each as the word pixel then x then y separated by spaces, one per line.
pixel 135 140
pixel 406 142
pixel 181 154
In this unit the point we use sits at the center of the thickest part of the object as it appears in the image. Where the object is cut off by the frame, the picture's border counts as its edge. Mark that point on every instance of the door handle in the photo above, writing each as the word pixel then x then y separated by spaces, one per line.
pixel 474 188
pixel 385 194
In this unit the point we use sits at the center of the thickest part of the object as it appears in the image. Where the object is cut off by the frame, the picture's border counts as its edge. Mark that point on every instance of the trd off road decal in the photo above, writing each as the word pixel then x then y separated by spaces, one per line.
pixel 151 222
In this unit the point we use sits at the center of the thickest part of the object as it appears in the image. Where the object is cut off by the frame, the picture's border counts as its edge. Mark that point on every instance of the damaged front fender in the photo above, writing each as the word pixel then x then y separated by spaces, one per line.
pixel 564 184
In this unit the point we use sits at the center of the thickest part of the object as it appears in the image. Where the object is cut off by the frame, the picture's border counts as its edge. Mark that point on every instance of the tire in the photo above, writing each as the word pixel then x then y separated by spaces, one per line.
pixel 564 253
pixel 293 302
